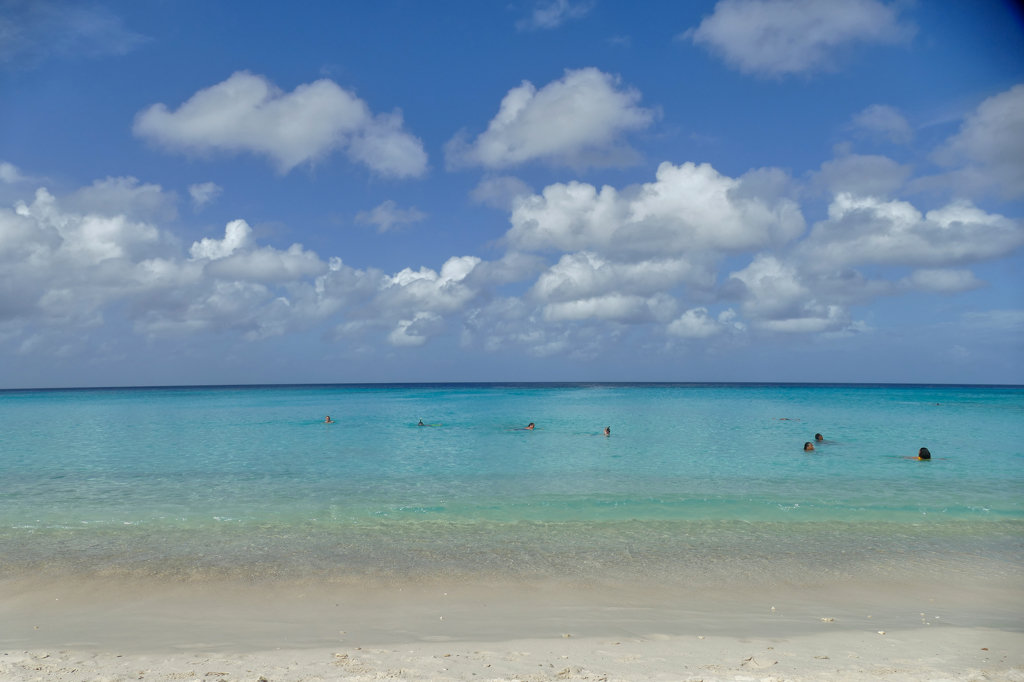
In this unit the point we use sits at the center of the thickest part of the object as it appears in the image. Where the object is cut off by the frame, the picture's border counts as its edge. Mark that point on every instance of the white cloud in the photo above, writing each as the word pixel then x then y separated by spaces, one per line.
pixel 553 14
pixel 60 270
pixel 941 281
pixel 576 121
pixel 990 145
pixel 861 175
pixel 10 173
pixel 628 263
pixel 416 331
pixel 388 215
pixel 512 267
pixel 863 230
pixel 616 306
pixel 268 265
pixel 204 193
pixel 500 192
pixel 820 320
pixel 885 120
pixel 688 208
pixel 811 289
pixel 776 298
pixel 248 113
pixel 32 31
pixel 92 238
pixel 776 37
pixel 426 290
pixel 510 323
pixel 124 196
pixel 585 275
pixel 697 324
pixel 237 235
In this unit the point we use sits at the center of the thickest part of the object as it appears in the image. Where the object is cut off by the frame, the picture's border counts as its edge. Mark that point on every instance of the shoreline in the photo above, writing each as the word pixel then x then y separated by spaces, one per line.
pixel 149 614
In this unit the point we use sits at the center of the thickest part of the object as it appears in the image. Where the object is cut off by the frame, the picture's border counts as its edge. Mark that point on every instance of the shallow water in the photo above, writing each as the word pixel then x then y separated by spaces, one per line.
pixel 696 481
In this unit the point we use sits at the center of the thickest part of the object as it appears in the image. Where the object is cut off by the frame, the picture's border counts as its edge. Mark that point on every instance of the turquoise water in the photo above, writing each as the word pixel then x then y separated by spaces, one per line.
pixel 250 481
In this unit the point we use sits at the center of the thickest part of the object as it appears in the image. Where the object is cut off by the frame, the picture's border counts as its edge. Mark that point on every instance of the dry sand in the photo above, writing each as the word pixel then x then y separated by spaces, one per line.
pixel 917 654
pixel 95 630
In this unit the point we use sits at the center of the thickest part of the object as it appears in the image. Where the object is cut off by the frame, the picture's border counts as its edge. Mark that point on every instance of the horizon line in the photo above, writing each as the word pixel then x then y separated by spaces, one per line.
pixel 406 384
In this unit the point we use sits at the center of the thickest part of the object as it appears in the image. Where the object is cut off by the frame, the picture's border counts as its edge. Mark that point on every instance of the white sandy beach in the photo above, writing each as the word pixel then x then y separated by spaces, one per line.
pixel 100 631
pixel 970 654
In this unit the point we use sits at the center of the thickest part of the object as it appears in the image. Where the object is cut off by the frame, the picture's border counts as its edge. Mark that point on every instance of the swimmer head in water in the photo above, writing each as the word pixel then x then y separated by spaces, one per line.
pixel 808 446
pixel 607 430
pixel 328 420
pixel 529 427
pixel 818 437
pixel 924 454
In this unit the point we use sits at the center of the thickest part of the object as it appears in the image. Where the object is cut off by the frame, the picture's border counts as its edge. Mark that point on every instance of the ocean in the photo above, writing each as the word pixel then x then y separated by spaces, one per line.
pixel 698 484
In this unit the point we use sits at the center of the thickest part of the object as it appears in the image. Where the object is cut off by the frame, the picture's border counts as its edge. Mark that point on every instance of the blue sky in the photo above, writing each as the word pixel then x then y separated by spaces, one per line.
pixel 747 190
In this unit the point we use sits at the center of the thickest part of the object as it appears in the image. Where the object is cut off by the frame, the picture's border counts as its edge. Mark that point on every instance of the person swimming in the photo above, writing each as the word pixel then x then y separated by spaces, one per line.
pixel 808 446
pixel 329 420
pixel 818 437
pixel 607 430
pixel 924 454
pixel 529 427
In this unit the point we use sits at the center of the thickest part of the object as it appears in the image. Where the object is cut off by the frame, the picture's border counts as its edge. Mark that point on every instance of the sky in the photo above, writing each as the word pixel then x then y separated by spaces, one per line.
pixel 562 190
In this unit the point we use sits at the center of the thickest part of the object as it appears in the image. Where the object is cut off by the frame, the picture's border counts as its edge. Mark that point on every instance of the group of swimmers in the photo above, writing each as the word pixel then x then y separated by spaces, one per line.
pixel 922 454
pixel 808 446
pixel 529 427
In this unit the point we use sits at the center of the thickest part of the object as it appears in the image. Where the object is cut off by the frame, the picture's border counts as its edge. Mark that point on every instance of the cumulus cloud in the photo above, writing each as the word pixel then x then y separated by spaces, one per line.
pixel 31 31
pixel 555 13
pixel 617 307
pixel 248 113
pixel 426 290
pixel 989 148
pixel 688 208
pixel 941 281
pixel 388 215
pixel 512 267
pixel 124 196
pixel 884 120
pixel 777 299
pixel 595 267
pixel 863 230
pixel 204 193
pixel 512 324
pixel 10 173
pixel 585 275
pixel 416 331
pixel 696 323
pixel 778 37
pixel 861 175
pixel 60 270
pixel 628 250
pixel 500 192
pixel 810 288
pixel 268 265
pixel 577 121
pixel 237 235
